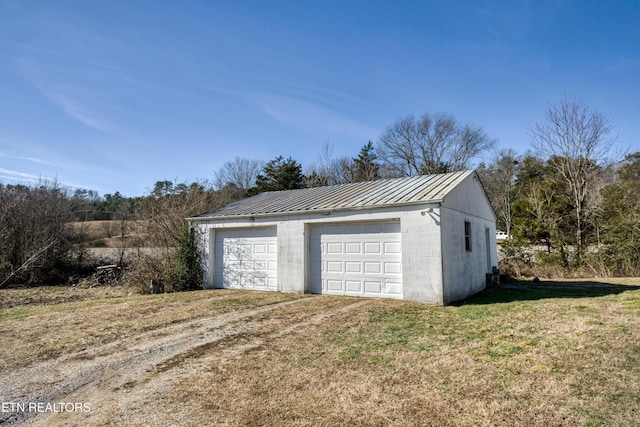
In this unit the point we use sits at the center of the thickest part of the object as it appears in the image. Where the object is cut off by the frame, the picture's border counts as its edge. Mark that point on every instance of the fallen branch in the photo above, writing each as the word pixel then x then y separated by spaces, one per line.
pixel 28 262
pixel 102 267
pixel 106 275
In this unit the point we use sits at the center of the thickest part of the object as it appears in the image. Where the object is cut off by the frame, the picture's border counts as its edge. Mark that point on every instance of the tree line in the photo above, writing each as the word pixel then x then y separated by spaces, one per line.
pixel 588 227
pixel 569 196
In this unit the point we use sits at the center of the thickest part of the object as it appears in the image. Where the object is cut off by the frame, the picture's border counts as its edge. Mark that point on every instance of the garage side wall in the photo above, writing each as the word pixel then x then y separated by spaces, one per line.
pixel 467 259
pixel 464 270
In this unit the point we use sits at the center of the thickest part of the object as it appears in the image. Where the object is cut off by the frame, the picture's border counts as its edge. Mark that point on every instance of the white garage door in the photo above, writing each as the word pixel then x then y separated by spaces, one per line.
pixel 246 258
pixel 360 259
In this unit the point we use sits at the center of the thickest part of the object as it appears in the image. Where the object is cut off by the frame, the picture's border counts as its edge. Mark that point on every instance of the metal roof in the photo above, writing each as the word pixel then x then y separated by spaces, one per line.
pixel 386 192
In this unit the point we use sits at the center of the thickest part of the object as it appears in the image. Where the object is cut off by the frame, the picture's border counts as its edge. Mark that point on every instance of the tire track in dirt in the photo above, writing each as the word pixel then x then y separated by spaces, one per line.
pixel 149 410
pixel 126 382
pixel 52 380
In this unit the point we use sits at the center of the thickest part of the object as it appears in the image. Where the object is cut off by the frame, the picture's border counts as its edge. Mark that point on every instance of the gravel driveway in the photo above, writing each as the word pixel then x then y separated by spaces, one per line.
pixel 124 381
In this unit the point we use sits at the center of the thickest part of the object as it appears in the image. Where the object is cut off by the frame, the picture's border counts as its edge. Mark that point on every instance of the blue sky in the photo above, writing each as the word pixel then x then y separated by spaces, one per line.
pixel 116 95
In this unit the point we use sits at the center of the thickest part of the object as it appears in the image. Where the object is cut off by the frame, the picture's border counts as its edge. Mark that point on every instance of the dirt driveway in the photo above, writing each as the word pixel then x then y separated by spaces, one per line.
pixel 126 377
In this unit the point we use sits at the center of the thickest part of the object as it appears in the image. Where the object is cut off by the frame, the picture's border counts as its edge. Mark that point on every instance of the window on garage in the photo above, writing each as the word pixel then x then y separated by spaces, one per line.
pixel 467 236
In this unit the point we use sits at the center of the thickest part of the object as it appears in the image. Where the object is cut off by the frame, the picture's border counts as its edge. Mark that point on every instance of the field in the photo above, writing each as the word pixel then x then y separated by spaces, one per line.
pixel 557 353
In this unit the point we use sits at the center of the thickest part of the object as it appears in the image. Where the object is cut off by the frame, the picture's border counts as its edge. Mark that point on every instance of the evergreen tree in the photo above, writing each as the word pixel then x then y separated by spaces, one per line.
pixel 279 174
pixel 620 216
pixel 366 166
pixel 542 208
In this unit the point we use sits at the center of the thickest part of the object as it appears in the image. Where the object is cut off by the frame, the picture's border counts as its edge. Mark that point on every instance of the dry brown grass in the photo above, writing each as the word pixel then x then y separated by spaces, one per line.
pixel 549 362
pixel 108 234
pixel 37 331
pixel 558 353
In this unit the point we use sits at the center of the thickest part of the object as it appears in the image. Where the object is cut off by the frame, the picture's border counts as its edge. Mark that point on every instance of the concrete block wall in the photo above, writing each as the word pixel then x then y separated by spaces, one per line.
pixel 421 254
pixel 291 256
pixel 464 271
pixel 203 236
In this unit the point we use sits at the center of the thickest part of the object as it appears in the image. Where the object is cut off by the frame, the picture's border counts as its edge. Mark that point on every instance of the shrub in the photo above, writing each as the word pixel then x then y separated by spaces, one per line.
pixel 183 272
pixel 99 243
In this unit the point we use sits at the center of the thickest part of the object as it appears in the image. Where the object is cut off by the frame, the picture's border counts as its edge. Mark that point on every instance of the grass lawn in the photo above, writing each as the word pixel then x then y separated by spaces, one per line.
pixel 557 353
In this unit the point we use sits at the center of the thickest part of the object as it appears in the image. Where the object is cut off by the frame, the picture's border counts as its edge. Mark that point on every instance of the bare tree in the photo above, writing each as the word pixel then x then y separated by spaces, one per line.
pixel 170 234
pixel 237 176
pixel 575 140
pixel 431 144
pixel 343 170
pixel 34 234
pixel 499 181
pixel 325 164
pixel 329 170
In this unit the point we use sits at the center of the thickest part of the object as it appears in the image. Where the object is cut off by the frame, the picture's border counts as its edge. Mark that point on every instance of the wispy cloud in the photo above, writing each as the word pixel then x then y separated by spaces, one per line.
pixel 23 178
pixel 30 179
pixel 78 110
pixel 313 118
pixel 76 70
pixel 33 154
pixel 28 159
pixel 18 176
pixel 75 100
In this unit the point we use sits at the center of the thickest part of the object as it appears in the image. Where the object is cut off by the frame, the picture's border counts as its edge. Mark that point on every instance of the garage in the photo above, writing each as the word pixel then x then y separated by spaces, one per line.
pixel 246 258
pixel 427 238
pixel 358 259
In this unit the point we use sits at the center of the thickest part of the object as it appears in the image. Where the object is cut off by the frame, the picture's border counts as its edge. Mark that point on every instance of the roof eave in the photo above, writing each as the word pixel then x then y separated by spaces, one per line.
pixel 327 211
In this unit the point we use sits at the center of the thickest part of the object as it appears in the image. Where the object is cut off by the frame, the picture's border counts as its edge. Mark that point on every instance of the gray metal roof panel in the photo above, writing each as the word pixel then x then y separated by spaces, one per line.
pixel 386 192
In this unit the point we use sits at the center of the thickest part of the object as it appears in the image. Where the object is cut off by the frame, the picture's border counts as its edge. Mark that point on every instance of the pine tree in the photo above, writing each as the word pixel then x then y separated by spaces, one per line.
pixel 366 167
pixel 279 174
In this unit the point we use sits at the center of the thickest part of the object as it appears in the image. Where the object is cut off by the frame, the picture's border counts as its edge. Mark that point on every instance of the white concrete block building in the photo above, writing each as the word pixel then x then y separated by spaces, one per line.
pixel 429 238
